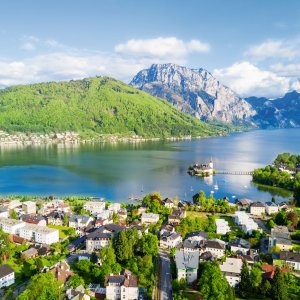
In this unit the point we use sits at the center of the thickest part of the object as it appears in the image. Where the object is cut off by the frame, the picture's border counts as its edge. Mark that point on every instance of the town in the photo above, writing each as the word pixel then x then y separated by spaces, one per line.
pixel 161 248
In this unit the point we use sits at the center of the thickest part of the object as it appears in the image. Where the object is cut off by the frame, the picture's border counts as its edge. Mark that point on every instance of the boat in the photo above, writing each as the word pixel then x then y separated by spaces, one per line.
pixel 212 192
pixel 216 187
pixel 233 196
pixel 192 189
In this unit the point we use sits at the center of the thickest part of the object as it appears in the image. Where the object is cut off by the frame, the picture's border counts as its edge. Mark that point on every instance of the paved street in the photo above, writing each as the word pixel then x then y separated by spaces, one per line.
pixel 165 282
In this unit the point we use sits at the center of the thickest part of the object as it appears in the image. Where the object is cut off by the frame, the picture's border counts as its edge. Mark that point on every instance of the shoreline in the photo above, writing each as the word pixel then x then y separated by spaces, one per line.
pixel 73 138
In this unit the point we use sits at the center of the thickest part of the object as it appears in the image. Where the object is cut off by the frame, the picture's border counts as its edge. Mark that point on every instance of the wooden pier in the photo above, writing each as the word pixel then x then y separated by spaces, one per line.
pixel 234 172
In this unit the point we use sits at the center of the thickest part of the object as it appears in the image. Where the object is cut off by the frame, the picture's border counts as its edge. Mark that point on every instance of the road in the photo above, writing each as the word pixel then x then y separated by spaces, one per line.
pixel 165 282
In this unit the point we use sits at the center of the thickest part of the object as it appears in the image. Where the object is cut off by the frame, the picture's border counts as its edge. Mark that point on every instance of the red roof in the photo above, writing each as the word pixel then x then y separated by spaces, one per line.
pixel 270 271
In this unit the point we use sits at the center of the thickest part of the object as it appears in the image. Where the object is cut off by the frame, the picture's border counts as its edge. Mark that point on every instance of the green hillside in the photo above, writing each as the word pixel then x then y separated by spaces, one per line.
pixel 91 106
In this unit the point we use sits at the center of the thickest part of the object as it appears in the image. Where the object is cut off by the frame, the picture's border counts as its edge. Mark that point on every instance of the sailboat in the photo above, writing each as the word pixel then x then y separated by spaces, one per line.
pixel 216 187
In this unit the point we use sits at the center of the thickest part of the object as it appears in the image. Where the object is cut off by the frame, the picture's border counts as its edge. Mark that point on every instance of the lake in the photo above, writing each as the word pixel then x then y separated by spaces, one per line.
pixel 117 171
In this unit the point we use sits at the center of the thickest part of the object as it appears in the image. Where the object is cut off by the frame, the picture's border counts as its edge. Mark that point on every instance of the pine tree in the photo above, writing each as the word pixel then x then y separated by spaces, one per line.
pixel 278 286
pixel 245 283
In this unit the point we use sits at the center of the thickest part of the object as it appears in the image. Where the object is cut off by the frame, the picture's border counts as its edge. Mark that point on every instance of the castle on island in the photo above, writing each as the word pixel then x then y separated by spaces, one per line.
pixel 202 170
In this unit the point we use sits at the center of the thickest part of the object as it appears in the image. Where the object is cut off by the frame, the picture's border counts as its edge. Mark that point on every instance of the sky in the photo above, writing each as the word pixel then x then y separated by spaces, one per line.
pixel 252 46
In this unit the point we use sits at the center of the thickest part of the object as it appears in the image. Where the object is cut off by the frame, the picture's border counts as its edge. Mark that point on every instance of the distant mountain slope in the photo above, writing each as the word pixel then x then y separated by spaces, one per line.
pixel 277 113
pixel 97 105
pixel 194 91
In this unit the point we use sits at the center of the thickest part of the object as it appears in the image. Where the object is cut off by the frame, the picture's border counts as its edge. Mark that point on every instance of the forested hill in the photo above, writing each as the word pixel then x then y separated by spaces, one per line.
pixel 93 105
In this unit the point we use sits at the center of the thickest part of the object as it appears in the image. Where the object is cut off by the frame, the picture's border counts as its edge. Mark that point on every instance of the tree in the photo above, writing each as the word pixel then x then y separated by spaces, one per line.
pixel 293 218
pixel 245 283
pixel 212 283
pixel 278 291
pixel 75 281
pixel 66 219
pixel 281 218
pixel 42 286
pixel 256 276
pixel 94 257
pixel 13 214
pixel 273 199
pixel 297 194
pixel 265 288
pixel 4 245
pixel 200 199
pixel 149 244
pixel 125 244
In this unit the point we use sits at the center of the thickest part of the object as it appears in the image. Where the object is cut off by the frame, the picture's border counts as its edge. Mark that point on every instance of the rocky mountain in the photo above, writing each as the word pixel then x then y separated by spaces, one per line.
pixel 283 112
pixel 196 92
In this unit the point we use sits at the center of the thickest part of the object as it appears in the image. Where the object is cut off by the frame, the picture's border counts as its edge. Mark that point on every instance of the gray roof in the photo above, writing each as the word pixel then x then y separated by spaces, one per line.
pixel 240 243
pixel 214 244
pixel 5 270
pixel 290 256
pixel 190 244
pixel 187 260
pixel 269 203
pixel 257 204
pixel 198 234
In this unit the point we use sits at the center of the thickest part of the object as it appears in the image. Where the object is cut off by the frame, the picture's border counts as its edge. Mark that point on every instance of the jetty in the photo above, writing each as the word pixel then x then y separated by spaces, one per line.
pixel 234 172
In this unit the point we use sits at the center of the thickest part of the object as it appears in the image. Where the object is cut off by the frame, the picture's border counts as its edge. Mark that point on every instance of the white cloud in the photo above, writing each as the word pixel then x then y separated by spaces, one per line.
pixel 29 43
pixel 28 46
pixel 288 70
pixel 248 80
pixel 287 49
pixel 169 47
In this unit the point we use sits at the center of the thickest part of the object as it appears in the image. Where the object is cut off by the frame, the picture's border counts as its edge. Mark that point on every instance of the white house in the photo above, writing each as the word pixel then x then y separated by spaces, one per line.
pixel 14 204
pixel 222 226
pixel 114 207
pixel 149 218
pixel 246 223
pixel 7 276
pixel 3 212
pixel 271 208
pixel 291 258
pixel 11 226
pixel 39 234
pixel 170 239
pixel 240 246
pixel 257 209
pixel 29 207
pixel 187 264
pixel 232 268
pixel 94 207
pixel 216 248
pixel 124 286
pixel 104 215
pixel 80 221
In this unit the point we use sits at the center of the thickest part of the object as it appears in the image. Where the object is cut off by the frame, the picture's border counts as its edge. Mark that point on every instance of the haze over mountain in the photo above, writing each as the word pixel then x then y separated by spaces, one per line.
pixel 198 93
pixel 282 112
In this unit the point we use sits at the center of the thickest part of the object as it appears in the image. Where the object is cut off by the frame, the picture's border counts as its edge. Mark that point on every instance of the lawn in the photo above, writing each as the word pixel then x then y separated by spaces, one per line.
pixel 196 214
pixel 64 231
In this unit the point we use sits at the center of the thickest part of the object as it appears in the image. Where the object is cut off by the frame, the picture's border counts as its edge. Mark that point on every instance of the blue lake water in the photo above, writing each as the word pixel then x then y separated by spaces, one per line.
pixel 117 171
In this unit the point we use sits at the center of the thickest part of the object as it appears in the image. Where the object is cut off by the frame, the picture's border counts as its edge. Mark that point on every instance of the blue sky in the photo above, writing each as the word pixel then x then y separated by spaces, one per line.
pixel 253 46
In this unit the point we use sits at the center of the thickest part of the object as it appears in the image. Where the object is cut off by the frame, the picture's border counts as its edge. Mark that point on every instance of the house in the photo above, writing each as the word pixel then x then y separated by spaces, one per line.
pixel 269 271
pixel 7 276
pixel 30 253
pixel 215 247
pixel 80 221
pixel 197 236
pixel 257 209
pixel 11 226
pixel 231 269
pixel 283 206
pixel 102 236
pixel 243 203
pixel 187 264
pixel 190 245
pixel 239 246
pixel 104 215
pixel 29 207
pixel 56 218
pixel 4 212
pixel 280 238
pixel 176 216
pixel 101 222
pixel 37 220
pixel 94 207
pixel 170 239
pixel 246 223
pixel 39 234
pixel 168 203
pixel 122 214
pixel 124 286
pixel 142 209
pixel 114 207
pixel 16 239
pixel 222 226
pixel 149 218
pixel 271 208
pixel 77 294
pixel 62 272
pixel 14 204
pixel 291 258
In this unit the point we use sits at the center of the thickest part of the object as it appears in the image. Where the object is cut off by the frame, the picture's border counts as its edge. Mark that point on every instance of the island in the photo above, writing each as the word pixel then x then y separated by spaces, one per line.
pixel 202 170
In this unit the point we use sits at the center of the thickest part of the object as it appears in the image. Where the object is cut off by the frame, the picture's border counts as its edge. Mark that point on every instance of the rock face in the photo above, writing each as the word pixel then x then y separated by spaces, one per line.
pixel 196 92
pixel 277 113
